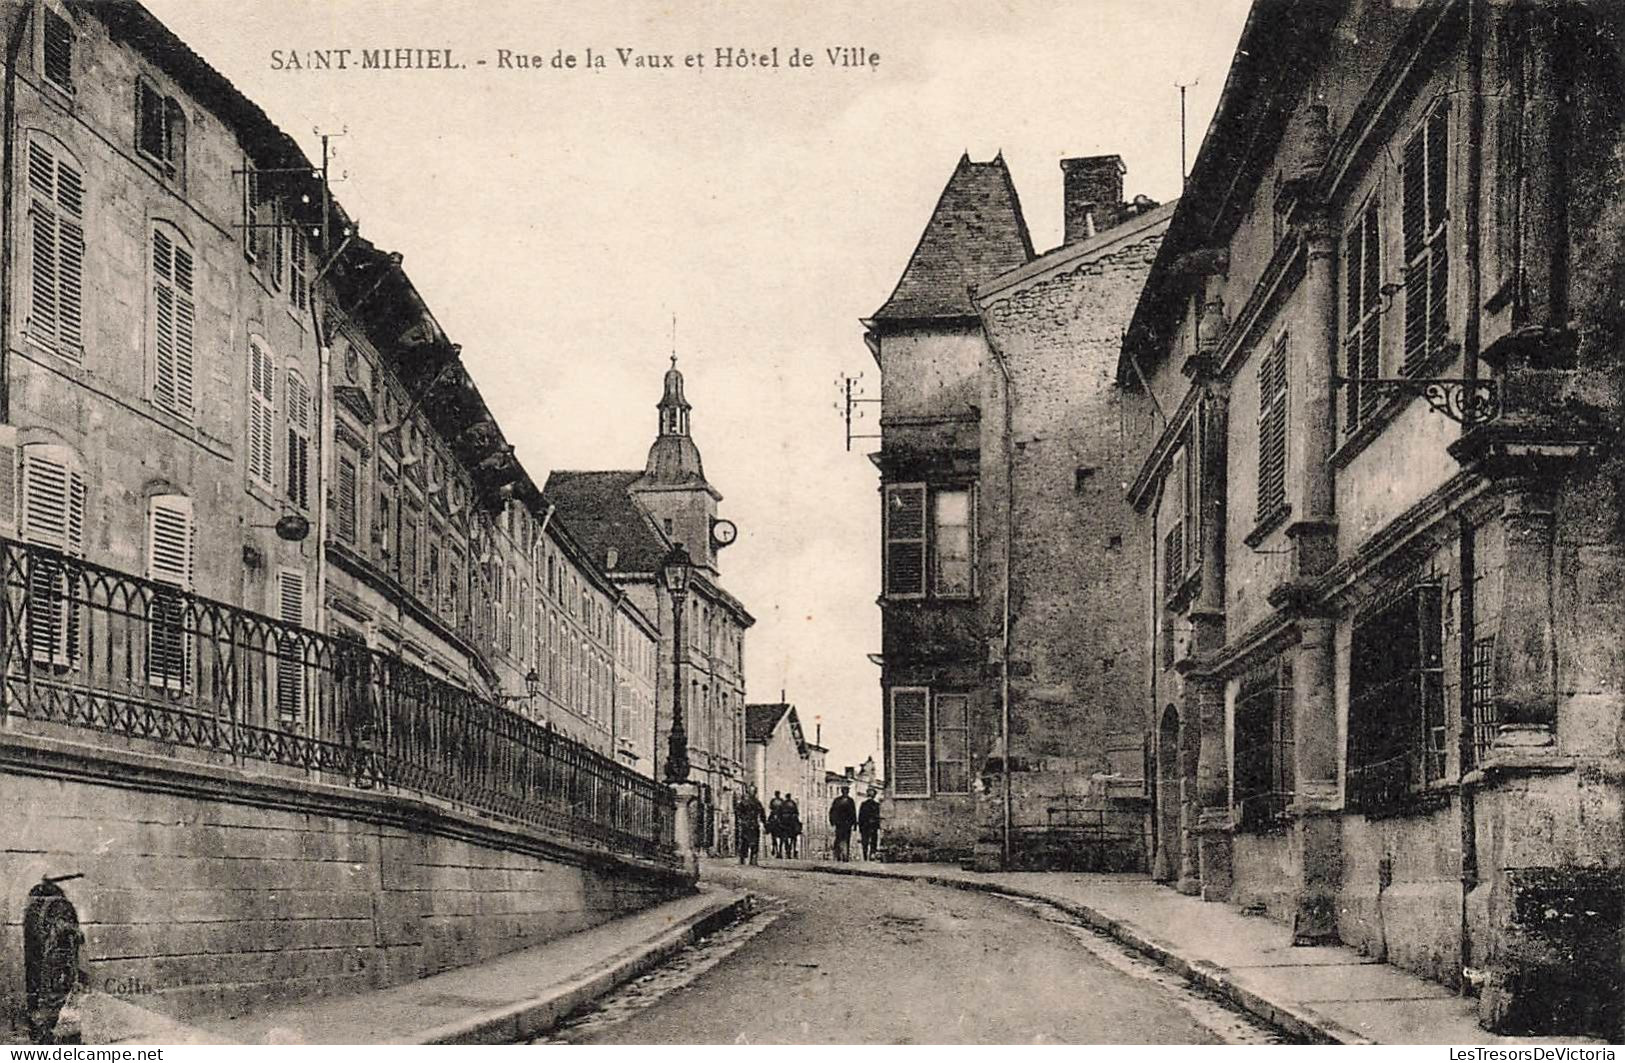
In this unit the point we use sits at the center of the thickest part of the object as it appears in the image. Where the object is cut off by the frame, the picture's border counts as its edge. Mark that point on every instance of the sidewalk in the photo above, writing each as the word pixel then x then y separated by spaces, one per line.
pixel 1321 994
pixel 507 999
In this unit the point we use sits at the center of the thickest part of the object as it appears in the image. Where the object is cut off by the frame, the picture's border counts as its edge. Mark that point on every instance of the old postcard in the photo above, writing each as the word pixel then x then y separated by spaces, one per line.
pixel 929 522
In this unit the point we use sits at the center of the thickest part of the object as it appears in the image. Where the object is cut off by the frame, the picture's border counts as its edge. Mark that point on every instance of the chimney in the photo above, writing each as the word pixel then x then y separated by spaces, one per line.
pixel 1092 194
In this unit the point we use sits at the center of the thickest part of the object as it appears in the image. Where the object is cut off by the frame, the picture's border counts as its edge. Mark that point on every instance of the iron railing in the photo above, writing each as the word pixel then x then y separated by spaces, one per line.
pixel 169 672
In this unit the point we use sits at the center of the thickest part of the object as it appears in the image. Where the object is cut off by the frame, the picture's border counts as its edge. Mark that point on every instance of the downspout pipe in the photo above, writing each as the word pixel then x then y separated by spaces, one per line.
pixel 1007 441
pixel 1471 339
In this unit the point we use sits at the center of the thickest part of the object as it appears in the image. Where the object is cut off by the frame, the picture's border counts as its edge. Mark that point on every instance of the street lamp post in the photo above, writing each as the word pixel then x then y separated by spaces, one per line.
pixel 675 572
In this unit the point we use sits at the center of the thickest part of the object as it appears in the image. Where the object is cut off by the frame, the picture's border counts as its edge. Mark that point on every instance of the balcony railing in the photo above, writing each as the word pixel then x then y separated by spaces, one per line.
pixel 168 672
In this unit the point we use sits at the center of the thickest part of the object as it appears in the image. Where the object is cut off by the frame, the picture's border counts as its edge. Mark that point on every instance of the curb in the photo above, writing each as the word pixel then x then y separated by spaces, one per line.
pixel 530 1018
pixel 1293 1019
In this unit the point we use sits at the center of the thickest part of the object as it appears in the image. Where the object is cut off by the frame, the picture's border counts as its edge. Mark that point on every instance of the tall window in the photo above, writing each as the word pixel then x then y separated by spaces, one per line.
pixel 261 413
pixel 952 574
pixel 56 221
pixel 1362 314
pixel 251 211
pixel 911 741
pixel 53 515
pixel 1264 745
pixel 299 425
pixel 1181 492
pixel 1397 731
pixel 347 498
pixel 298 280
pixel 56 50
pixel 1426 174
pixel 170 551
pixel 1272 408
pixel 174 312
pixel 290 670
pixel 930 541
pixel 160 128
pixel 951 743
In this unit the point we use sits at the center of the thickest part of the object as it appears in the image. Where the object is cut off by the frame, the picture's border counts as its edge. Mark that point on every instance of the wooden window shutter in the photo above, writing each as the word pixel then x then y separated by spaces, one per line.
pixel 170 541
pixel 53 515
pixel 348 499
pixel 173 321
pixel 290 667
pixel 10 468
pixel 149 119
pixel 1426 191
pixel 298 283
pixel 57 50
pixel 297 395
pixel 261 413
pixel 251 211
pixel 1272 415
pixel 911 742
pixel 170 564
pixel 57 251
pixel 905 540
pixel 42 170
pixel 53 498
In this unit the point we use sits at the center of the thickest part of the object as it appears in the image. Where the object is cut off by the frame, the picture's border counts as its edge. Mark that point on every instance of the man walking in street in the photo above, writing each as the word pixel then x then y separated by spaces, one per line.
pixel 790 820
pixel 843 815
pixel 775 822
pixel 869 825
pixel 749 816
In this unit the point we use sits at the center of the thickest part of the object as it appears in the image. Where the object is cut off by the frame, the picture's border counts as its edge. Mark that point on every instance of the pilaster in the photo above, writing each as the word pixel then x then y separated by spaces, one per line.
pixel 1317 828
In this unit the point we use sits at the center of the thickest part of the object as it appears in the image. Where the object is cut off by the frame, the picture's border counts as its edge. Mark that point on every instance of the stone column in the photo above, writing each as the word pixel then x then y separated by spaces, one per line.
pixel 1205 698
pixel 1525 648
pixel 1204 695
pixel 1317 823
pixel 1190 807
pixel 1313 363
pixel 686 831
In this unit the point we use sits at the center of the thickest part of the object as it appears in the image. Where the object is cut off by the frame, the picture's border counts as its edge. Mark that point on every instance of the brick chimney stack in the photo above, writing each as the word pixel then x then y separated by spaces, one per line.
pixel 1093 194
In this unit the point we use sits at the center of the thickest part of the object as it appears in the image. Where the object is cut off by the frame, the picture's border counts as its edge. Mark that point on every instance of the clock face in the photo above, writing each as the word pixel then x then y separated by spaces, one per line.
pixel 723 532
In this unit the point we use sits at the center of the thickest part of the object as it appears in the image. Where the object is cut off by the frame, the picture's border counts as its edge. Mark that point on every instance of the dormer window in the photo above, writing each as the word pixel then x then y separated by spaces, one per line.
pixel 160 128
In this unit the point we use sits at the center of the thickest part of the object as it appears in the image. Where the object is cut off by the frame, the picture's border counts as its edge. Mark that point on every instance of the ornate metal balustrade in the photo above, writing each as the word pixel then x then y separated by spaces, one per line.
pixel 95 650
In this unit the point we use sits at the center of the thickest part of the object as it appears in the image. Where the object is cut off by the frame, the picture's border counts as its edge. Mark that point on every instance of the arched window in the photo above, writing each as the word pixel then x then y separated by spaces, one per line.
pixel 174 312
pixel 56 227
pixel 261 413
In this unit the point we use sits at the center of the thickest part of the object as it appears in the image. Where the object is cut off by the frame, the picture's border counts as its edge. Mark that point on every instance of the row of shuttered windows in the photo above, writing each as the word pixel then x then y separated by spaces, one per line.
pixel 43 502
pixel 57 297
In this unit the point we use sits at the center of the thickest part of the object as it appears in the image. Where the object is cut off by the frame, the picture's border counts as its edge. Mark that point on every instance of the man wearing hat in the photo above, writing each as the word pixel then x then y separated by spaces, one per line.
pixel 869 825
pixel 843 815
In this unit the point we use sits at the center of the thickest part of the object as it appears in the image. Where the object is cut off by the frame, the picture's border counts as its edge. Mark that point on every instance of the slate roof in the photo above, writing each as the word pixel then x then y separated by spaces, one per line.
pixel 760 720
pixel 975 233
pixel 602 515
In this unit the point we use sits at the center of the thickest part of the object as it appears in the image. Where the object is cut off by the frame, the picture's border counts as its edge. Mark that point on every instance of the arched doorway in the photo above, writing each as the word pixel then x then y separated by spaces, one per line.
pixel 1169 798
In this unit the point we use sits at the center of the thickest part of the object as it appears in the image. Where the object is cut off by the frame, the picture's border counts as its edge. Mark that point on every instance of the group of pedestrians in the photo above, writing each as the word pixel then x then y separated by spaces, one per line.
pixel 782 819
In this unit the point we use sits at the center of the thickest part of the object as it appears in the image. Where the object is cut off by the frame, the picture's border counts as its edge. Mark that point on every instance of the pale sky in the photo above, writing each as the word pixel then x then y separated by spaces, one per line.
pixel 556 219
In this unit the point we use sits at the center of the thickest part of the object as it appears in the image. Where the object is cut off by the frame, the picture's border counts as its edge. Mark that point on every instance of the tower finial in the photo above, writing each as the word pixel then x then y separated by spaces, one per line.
pixel 674 339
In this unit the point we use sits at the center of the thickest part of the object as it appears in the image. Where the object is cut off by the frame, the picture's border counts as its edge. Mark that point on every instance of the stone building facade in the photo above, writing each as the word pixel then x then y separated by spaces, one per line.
pixel 780 760
pixel 628 522
pixel 995 368
pixel 271 571
pixel 1378 377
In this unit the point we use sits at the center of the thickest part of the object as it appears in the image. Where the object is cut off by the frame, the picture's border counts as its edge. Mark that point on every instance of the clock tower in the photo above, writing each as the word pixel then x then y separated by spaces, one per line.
pixel 673 488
